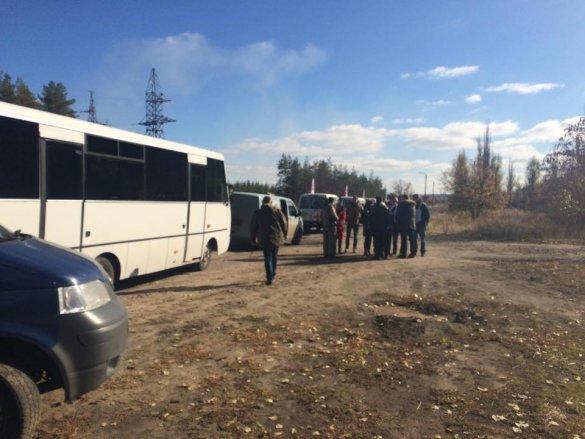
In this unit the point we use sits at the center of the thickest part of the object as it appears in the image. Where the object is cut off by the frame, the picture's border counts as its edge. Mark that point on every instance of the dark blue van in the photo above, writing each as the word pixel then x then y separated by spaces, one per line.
pixel 61 326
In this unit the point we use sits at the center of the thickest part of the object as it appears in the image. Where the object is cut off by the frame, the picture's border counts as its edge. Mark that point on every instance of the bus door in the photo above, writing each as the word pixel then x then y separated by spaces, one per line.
pixel 197 206
pixel 62 188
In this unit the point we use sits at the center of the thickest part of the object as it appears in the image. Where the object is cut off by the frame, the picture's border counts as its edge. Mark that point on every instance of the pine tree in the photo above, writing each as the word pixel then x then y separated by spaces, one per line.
pixel 23 95
pixel 54 99
pixel 6 88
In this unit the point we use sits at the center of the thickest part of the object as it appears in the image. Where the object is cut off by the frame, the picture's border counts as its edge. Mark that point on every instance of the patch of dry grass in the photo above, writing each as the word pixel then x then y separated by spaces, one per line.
pixel 510 225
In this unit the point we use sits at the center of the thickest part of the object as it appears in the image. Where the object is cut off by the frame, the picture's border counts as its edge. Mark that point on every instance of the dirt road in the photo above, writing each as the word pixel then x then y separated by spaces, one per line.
pixel 474 340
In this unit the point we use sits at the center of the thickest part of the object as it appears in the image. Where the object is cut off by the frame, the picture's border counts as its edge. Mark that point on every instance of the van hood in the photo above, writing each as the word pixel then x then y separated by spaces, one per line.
pixel 33 264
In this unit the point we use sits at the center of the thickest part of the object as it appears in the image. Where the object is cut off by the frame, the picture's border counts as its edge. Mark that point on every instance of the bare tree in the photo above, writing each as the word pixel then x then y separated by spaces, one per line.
pixel 401 187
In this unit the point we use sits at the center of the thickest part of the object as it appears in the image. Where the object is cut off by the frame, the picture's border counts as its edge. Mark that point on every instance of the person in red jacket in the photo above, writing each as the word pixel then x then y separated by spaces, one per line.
pixel 342 215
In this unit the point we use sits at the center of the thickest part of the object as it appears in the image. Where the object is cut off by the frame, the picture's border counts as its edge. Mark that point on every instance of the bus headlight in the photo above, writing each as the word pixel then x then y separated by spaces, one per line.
pixel 84 297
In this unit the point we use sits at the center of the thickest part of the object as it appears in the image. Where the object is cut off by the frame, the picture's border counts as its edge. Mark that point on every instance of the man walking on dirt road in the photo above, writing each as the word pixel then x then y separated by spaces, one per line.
pixel 329 217
pixel 268 227
pixel 354 211
pixel 404 216
pixel 422 220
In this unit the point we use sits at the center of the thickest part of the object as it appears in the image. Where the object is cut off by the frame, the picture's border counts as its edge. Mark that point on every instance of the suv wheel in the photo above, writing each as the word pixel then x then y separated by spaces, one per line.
pixel 108 268
pixel 20 404
pixel 205 259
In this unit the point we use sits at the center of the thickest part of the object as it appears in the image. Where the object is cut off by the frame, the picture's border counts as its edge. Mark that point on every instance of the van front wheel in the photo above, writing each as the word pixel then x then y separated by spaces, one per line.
pixel 20 404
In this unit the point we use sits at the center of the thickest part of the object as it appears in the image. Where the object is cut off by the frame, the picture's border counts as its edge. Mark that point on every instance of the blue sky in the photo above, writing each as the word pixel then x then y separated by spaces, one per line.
pixel 394 87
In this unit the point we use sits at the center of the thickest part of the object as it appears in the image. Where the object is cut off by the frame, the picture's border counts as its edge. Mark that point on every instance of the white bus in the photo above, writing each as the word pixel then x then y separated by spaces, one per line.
pixel 135 203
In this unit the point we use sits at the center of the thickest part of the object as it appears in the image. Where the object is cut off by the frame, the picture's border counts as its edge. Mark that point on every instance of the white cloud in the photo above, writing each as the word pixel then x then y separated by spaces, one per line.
pixel 376 119
pixel 524 88
pixel 186 61
pixel 366 147
pixel 473 99
pixel 261 173
pixel 521 148
pixel 429 105
pixel 440 72
pixel 335 141
pixel 454 135
pixel 408 121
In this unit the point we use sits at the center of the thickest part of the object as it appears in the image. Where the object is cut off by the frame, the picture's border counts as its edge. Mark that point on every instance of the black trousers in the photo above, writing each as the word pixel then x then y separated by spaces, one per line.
pixel 407 236
pixel 387 242
pixel 367 241
pixel 352 228
pixel 421 234
pixel 394 241
pixel 379 243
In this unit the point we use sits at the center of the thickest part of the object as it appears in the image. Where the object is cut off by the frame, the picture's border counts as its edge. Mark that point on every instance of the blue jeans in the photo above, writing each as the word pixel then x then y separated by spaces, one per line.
pixel 270 261
pixel 421 233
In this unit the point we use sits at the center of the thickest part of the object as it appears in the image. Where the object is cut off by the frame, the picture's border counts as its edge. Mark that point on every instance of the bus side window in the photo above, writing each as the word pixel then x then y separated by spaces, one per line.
pixel 166 175
pixel 197 183
pixel 19 159
pixel 64 171
pixel 215 179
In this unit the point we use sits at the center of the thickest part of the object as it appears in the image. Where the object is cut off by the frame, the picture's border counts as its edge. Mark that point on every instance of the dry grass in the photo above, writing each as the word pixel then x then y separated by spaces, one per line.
pixel 503 225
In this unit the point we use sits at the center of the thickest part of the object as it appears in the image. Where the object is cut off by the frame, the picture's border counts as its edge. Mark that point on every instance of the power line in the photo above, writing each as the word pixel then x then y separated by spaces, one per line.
pixel 154 120
pixel 91 111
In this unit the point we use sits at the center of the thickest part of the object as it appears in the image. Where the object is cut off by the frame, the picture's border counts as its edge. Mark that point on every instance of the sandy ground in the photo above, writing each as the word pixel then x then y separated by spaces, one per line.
pixel 475 340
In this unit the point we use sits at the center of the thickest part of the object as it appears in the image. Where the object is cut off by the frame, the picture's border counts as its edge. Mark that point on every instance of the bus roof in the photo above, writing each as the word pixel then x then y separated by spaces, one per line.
pixel 81 126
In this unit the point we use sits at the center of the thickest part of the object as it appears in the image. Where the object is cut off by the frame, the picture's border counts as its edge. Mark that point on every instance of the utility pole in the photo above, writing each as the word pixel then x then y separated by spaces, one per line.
pixel 91 112
pixel 154 120
pixel 425 174
pixel 433 191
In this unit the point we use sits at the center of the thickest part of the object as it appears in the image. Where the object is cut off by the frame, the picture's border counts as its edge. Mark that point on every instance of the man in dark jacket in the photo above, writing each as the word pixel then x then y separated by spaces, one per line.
pixel 366 220
pixel 404 216
pixel 354 212
pixel 329 218
pixel 268 229
pixel 423 217
pixel 379 224
pixel 392 203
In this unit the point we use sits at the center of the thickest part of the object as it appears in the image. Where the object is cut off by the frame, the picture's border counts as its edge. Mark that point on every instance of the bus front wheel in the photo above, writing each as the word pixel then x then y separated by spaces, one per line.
pixel 108 267
pixel 205 259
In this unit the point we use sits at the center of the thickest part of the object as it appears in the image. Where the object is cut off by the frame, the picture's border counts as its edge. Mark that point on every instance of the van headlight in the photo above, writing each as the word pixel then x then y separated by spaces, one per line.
pixel 84 297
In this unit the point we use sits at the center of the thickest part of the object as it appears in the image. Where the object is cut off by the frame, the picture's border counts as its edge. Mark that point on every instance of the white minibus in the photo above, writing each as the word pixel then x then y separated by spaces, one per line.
pixel 135 203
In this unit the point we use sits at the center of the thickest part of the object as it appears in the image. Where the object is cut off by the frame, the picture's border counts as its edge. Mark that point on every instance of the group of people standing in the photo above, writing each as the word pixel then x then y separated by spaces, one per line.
pixel 383 223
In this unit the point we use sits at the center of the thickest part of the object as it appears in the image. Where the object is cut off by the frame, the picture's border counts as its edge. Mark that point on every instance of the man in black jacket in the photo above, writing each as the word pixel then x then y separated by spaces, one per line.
pixel 366 221
pixel 423 217
pixel 379 224
pixel 404 220
pixel 268 229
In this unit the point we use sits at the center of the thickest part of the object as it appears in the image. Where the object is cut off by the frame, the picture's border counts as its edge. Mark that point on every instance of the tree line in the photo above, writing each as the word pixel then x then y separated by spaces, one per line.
pixel 53 96
pixel 295 178
pixel 554 185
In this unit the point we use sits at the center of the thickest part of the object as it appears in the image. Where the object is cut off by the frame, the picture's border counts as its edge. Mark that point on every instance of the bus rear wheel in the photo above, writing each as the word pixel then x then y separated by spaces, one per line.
pixel 205 258
pixel 108 268
pixel 20 404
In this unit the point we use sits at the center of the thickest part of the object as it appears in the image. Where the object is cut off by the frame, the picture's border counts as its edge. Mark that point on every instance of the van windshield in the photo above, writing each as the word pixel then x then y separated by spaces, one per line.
pixel 5 235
